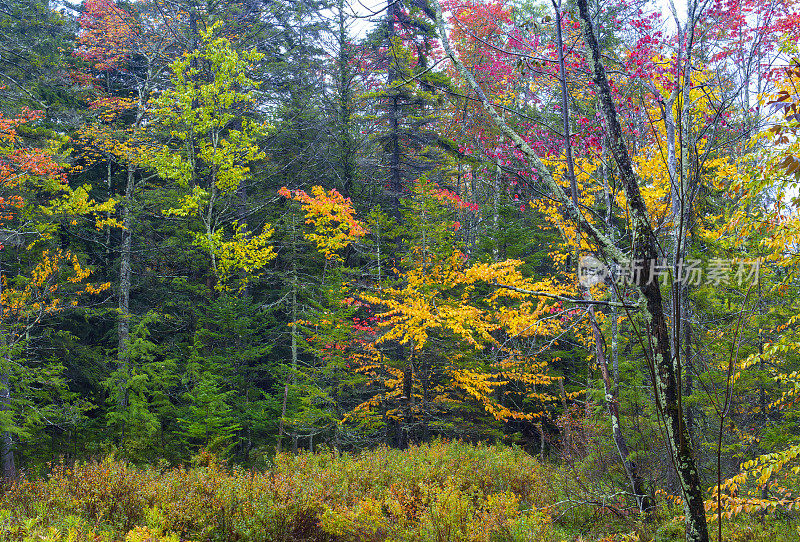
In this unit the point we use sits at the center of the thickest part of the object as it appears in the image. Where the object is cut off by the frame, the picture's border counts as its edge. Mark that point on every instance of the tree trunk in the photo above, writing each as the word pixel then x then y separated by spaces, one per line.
pixel 404 428
pixel 496 210
pixel 664 365
pixel 567 444
pixel 612 405
pixel 426 415
pixel 9 468
pixel 241 222
pixel 395 181
pixel 125 269
pixel 290 378
pixel 7 446
pixel 688 363
pixel 124 325
pixel 346 146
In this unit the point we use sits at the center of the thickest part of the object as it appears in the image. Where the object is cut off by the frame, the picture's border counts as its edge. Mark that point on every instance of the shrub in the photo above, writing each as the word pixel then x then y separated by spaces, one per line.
pixel 438 491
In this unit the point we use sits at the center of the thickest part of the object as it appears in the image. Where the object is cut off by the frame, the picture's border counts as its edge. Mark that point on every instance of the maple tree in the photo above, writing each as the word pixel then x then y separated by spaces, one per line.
pixel 123 50
pixel 49 279
pixel 330 329
pixel 427 302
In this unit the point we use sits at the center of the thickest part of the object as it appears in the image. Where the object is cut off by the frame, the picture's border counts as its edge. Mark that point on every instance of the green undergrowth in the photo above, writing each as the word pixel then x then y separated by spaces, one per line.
pixel 443 491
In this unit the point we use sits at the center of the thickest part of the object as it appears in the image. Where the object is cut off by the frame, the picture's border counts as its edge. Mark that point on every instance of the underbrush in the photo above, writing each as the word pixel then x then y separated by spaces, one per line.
pixel 438 492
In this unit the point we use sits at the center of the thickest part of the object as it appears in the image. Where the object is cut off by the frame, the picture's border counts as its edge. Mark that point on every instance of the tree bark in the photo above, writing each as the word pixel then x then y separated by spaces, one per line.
pixel 612 406
pixel 125 269
pixel 290 377
pixel 345 106
pixel 407 401
pixel 496 210
pixel 395 181
pixel 9 467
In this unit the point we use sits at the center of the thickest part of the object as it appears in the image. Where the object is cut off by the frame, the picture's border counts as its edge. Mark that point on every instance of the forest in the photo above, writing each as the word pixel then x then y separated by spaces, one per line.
pixel 408 270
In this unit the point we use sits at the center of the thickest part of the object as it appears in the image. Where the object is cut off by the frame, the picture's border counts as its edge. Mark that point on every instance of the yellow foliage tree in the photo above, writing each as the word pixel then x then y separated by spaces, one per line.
pixel 213 145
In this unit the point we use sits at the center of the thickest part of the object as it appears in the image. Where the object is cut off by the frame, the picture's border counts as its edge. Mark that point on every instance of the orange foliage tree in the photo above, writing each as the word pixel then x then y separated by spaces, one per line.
pixel 330 330
pixel 454 322
pixel 35 200
pixel 123 50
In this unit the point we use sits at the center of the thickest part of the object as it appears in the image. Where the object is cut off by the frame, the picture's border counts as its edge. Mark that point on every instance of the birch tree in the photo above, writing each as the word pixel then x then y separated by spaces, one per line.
pixel 656 331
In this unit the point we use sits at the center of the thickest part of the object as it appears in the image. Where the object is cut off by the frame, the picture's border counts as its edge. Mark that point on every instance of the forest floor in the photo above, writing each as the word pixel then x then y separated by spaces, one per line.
pixel 443 491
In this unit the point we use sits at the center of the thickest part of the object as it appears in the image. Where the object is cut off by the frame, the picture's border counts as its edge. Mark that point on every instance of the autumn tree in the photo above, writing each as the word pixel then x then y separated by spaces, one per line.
pixel 454 319
pixel 124 50
pixel 46 279
pixel 212 141
pixel 438 311
pixel 328 328
pixel 645 249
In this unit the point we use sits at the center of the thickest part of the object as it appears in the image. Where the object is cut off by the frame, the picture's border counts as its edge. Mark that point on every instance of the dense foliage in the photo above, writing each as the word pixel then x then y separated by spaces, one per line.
pixel 433 492
pixel 254 227
pixel 438 492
